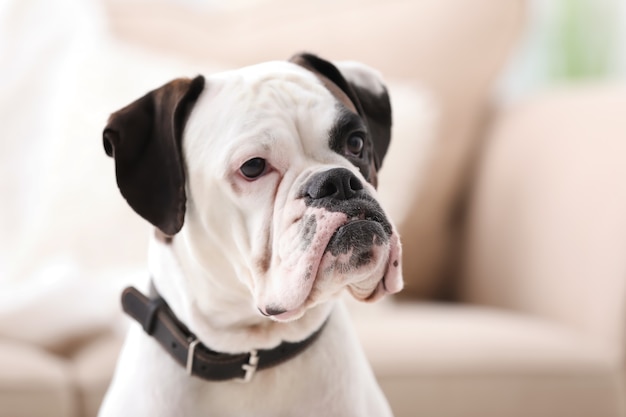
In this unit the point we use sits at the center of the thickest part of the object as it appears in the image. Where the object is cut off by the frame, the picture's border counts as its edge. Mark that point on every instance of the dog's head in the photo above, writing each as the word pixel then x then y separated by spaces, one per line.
pixel 270 170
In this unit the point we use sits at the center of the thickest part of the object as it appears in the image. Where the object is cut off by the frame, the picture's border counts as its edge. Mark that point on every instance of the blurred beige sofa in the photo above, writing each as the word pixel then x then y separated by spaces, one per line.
pixel 513 219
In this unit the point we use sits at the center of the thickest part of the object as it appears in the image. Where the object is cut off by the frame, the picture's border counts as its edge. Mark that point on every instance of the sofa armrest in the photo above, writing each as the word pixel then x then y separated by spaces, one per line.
pixel 546 229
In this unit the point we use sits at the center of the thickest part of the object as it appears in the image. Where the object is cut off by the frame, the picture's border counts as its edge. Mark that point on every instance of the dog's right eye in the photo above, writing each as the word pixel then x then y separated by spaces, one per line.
pixel 253 168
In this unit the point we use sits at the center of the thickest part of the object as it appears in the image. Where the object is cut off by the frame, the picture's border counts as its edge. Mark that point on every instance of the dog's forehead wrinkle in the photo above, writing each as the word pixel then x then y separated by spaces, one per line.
pixel 282 82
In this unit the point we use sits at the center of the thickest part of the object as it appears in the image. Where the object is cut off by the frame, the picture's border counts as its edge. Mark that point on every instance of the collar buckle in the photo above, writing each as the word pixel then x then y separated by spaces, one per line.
pixel 191 353
pixel 250 367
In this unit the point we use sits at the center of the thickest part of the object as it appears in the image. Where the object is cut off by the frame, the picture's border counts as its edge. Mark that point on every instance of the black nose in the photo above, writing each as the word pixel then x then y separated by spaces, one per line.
pixel 334 184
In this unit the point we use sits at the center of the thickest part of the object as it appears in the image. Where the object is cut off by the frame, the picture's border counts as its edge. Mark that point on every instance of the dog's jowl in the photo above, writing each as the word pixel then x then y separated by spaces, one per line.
pixel 261 186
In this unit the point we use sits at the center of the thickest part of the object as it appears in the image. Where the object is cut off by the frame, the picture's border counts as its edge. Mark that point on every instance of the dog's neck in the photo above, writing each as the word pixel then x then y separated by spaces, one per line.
pixel 218 308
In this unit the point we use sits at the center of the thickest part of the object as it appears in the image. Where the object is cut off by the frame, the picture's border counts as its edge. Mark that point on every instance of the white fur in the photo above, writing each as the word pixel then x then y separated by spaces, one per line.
pixel 210 273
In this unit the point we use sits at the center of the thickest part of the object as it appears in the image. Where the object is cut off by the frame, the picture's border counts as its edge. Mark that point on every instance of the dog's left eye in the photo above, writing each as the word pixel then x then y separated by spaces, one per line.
pixel 354 144
pixel 253 168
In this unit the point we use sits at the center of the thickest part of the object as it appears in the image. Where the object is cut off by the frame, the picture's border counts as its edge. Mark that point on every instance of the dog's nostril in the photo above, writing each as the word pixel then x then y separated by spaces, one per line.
pixel 355 184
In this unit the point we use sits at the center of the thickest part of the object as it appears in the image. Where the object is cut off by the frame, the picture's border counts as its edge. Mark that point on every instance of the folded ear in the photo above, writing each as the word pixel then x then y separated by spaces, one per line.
pixel 144 138
pixel 364 87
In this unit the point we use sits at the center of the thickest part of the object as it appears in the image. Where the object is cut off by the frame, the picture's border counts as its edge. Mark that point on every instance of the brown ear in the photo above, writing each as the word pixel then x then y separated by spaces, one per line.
pixel 145 140
pixel 371 104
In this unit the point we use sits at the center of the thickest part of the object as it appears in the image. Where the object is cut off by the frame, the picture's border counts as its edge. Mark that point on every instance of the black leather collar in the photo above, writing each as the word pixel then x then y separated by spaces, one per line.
pixel 158 320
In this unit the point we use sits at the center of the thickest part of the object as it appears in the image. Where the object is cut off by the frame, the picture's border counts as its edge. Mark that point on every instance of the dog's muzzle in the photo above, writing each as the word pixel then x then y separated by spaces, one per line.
pixel 341 239
pixel 340 190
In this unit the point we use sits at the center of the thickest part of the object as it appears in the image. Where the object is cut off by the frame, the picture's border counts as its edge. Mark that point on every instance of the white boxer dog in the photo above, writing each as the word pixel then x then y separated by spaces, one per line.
pixel 260 183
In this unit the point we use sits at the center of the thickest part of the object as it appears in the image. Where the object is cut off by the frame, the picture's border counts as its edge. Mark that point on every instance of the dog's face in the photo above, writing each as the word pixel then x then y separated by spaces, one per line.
pixel 272 169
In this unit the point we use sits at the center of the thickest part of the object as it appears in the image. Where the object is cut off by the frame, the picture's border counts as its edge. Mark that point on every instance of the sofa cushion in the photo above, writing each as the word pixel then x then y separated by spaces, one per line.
pixel 34 383
pixel 454 360
pixel 547 230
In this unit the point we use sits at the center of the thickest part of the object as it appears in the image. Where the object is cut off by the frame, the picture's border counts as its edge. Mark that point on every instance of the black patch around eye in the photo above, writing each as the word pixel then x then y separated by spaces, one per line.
pixel 377 109
pixel 346 125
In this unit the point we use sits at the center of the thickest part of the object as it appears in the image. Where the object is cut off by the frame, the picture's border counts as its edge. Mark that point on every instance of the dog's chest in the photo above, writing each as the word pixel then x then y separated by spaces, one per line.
pixel 320 381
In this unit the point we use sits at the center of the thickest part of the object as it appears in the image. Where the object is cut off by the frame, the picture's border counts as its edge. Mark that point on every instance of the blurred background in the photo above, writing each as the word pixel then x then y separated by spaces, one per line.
pixel 505 178
pixel 568 41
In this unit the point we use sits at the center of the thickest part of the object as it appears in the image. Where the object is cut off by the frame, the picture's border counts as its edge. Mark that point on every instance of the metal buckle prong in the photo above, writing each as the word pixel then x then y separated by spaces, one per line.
pixel 190 355
pixel 251 366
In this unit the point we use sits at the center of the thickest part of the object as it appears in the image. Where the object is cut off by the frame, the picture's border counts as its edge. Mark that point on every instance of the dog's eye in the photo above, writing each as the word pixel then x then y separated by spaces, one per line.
pixel 354 144
pixel 253 168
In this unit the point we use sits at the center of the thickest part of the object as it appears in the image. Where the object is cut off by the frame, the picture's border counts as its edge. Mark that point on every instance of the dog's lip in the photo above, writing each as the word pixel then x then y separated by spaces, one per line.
pixel 289 315
pixel 298 273
pixel 282 315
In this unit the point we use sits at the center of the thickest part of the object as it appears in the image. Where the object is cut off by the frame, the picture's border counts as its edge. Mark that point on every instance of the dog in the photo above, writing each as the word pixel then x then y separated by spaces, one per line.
pixel 261 186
